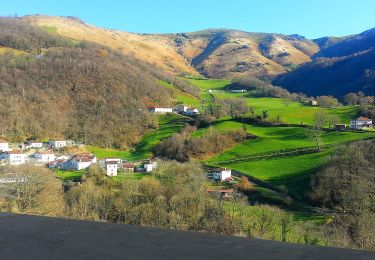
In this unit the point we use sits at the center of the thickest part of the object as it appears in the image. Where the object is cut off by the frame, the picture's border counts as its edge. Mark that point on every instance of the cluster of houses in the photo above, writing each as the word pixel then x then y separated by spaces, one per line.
pixel 35 152
pixel 113 166
pixel 179 109
pixel 360 123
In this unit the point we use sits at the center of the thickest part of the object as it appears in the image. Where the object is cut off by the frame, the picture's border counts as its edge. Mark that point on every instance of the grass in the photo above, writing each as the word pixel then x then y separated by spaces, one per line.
pixel 102 153
pixel 69 175
pixel 291 112
pixel 293 173
pixel 168 125
pixel 180 96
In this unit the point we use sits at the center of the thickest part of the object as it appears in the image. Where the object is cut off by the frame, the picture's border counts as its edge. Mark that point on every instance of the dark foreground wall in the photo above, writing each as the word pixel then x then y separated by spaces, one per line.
pixel 34 237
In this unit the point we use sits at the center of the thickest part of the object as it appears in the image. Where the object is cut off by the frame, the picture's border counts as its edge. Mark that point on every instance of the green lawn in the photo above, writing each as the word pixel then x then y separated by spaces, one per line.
pixel 49 29
pixel 69 175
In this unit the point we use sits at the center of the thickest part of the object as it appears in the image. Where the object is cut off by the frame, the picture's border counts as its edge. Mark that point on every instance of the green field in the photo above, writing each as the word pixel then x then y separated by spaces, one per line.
pixel 272 139
pixel 69 175
pixel 168 125
pixel 289 112
pixel 102 153
pixel 180 96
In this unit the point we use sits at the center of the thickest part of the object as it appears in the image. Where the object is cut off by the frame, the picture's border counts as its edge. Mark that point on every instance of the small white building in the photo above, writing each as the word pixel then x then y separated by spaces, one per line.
pixel 149 166
pixel 45 156
pixel 238 90
pixel 56 144
pixel 160 110
pixel 13 157
pixel 111 168
pixel 79 162
pixel 116 160
pixel 361 123
pixel 4 146
pixel 314 103
pixel 34 144
pixel 222 175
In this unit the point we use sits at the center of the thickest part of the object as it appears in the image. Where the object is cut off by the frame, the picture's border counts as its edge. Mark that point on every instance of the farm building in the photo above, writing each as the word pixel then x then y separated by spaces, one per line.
pixel 34 144
pixel 222 174
pixel 56 144
pixel 238 90
pixel 147 166
pixel 111 168
pixel 361 123
pixel 13 157
pixel 128 167
pixel 314 103
pixel 160 110
pixel 79 162
pixel 4 146
pixel 45 156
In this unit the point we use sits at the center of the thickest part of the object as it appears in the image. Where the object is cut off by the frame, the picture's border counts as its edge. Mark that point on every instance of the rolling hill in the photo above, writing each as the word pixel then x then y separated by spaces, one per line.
pixel 345 65
pixel 216 53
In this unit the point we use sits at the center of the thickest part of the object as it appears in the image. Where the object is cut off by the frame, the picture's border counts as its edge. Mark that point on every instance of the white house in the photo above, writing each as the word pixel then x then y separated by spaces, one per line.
pixel 34 144
pixel 55 144
pixel 238 90
pixel 361 123
pixel 149 166
pixel 111 168
pixel 160 110
pixel 13 157
pixel 222 175
pixel 79 162
pixel 117 160
pixel 314 103
pixel 45 156
pixel 4 146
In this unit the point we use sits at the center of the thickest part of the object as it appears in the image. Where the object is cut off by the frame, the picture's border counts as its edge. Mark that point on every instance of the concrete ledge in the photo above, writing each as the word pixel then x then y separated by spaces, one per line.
pixel 35 237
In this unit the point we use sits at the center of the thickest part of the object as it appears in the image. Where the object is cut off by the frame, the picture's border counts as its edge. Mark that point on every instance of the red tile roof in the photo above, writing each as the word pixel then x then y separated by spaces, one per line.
pixel 362 118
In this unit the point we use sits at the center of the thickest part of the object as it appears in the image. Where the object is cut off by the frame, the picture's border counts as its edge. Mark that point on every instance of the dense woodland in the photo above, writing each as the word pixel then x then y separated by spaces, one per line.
pixel 84 92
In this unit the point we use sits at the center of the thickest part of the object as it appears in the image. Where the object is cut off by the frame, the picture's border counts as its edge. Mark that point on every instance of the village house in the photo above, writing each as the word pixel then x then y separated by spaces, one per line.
pixel 13 157
pixel 56 144
pixel 34 144
pixel 79 162
pixel 314 103
pixel 111 168
pixel 222 175
pixel 160 110
pixel 45 156
pixel 58 162
pixel 361 123
pixel 4 146
pixel 116 160
pixel 147 166
pixel 128 167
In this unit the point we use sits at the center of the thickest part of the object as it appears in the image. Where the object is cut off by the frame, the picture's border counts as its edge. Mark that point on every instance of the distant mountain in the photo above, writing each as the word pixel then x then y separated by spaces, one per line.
pixel 216 53
pixel 342 66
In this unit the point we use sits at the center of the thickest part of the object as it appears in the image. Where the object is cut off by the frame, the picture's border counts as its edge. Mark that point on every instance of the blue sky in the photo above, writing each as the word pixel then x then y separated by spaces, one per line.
pixel 311 18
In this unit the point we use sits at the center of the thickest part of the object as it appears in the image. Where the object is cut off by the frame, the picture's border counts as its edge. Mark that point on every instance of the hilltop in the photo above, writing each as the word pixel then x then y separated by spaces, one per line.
pixel 216 53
